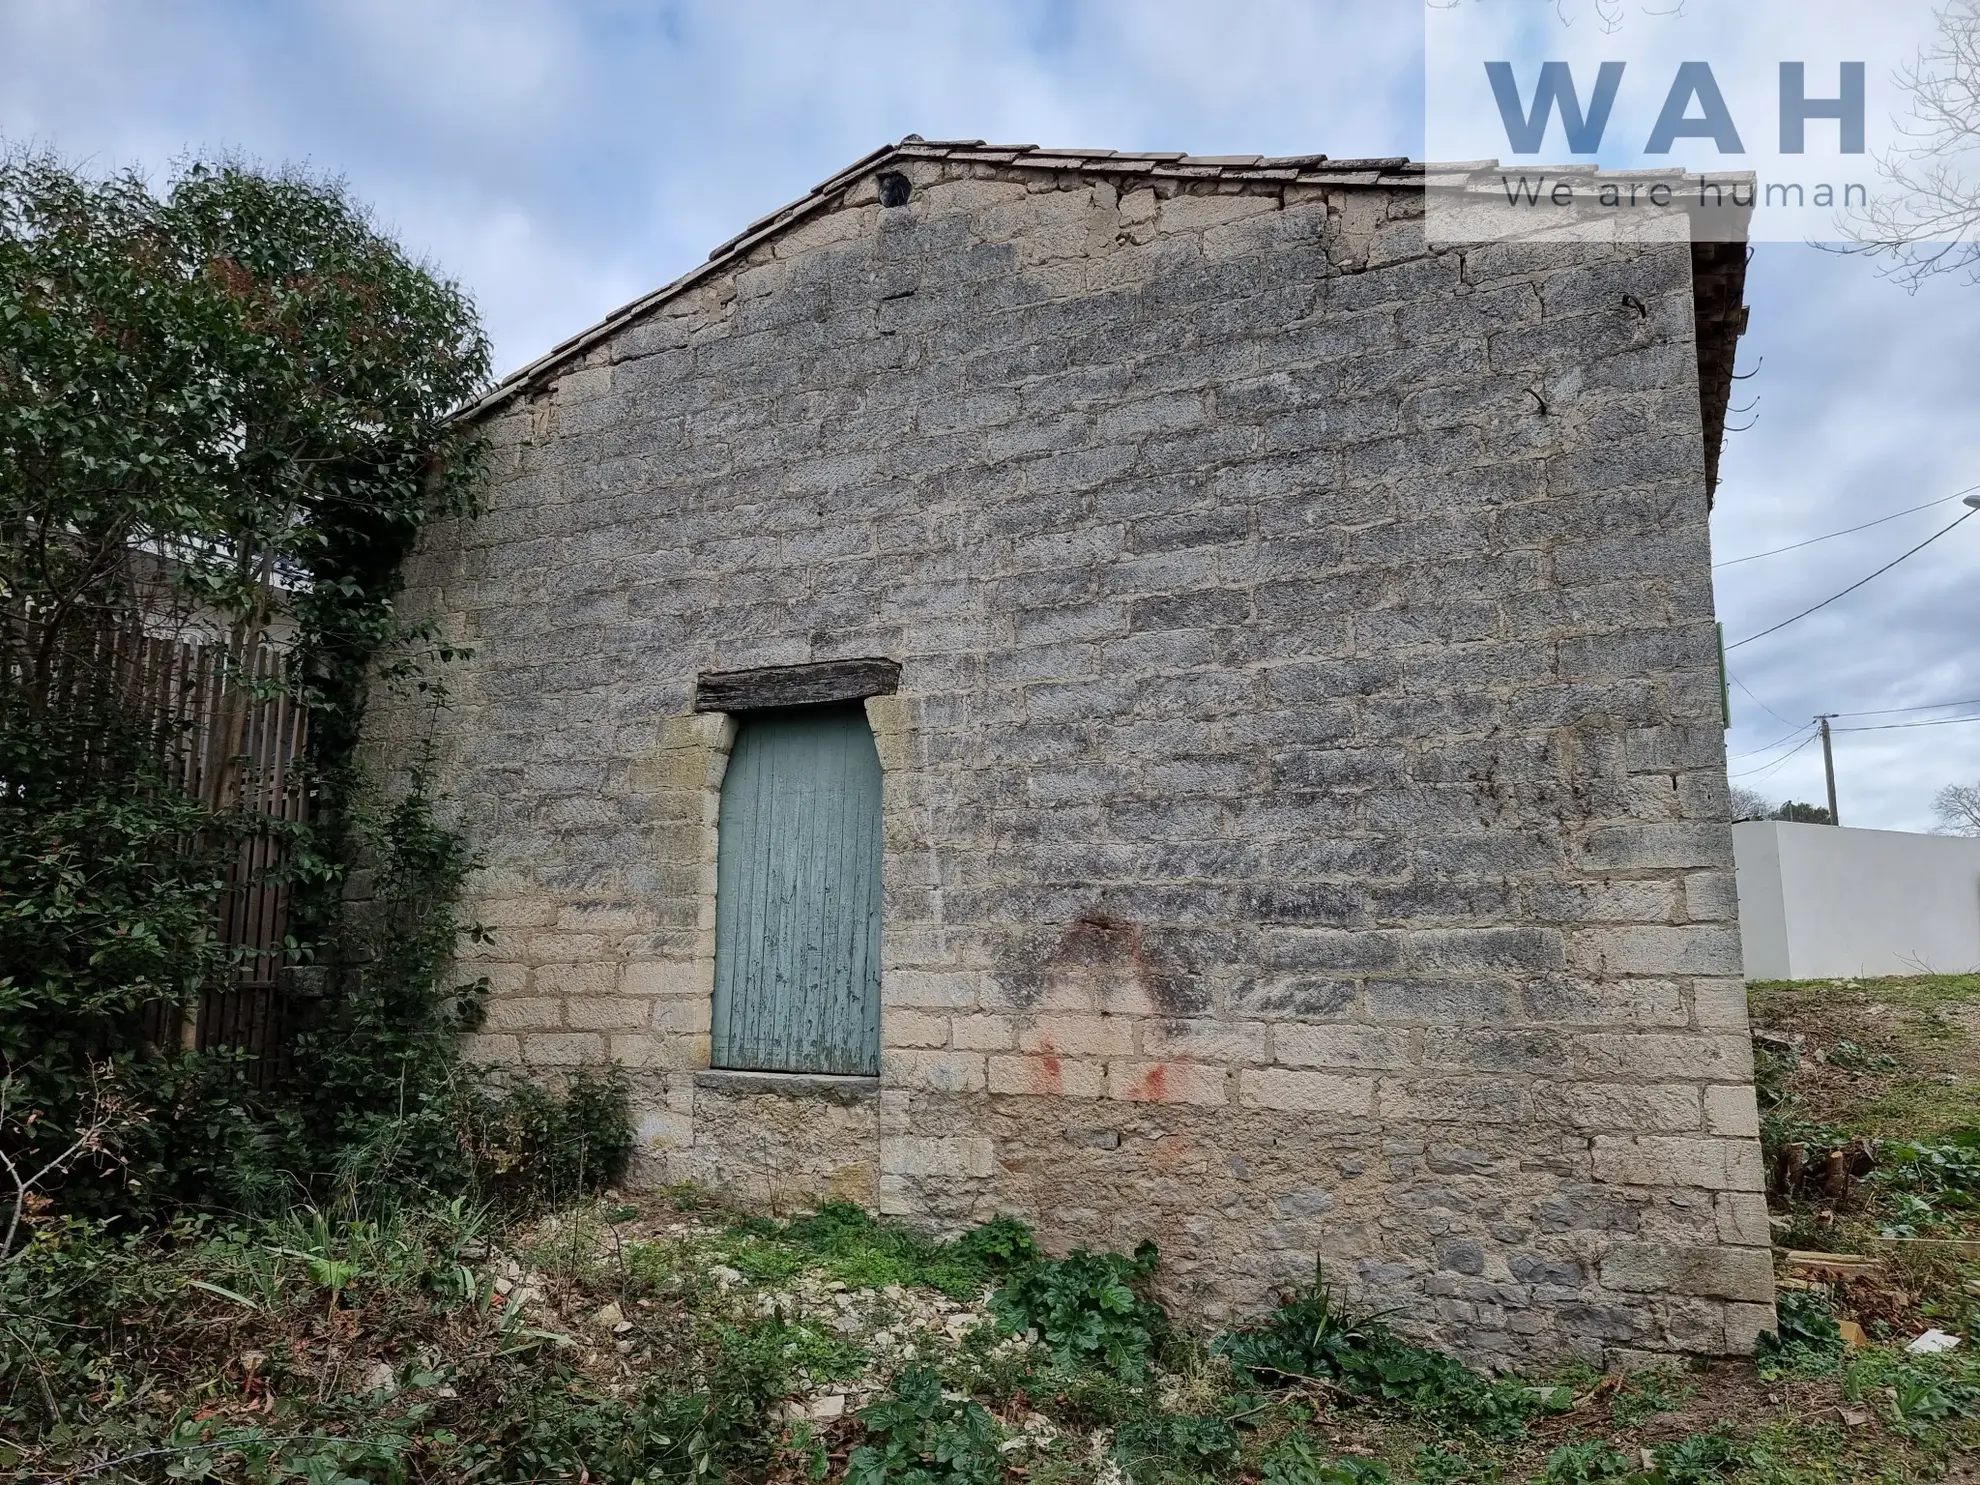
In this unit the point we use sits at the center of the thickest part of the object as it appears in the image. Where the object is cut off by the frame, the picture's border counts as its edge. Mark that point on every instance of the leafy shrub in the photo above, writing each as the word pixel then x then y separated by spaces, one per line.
pixel 921 1437
pixel 1928 1182
pixel 1807 1339
pixel 1579 1464
pixel 1313 1338
pixel 1190 1443
pixel 1699 1460
pixel 539 1148
pixel 1294 1461
pixel 1087 1309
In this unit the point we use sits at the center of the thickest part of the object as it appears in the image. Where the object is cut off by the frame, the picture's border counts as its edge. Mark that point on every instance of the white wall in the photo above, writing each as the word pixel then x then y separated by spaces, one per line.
pixel 1816 902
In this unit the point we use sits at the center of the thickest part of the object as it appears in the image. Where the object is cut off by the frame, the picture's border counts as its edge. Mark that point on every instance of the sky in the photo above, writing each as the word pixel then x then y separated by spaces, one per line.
pixel 560 157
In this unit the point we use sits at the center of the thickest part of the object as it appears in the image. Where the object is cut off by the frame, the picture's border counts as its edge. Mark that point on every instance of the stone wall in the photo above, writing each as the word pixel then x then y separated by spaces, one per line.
pixel 1305 802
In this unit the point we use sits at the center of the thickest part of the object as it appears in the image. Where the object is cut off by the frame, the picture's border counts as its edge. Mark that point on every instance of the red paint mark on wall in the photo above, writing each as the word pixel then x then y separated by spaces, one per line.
pixel 1154 1085
pixel 1050 1079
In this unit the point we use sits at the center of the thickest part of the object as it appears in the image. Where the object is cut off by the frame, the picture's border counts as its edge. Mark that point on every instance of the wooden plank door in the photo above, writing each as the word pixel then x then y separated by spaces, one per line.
pixel 797 895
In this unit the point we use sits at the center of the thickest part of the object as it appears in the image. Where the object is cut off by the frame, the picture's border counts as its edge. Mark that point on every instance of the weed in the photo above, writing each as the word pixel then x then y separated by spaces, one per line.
pixel 845 1243
pixel 1698 1460
pixel 1294 1461
pixel 1808 1341
pixel 1443 1464
pixel 1850 1057
pixel 1313 1338
pixel 1580 1464
pixel 1156 1444
pixel 1086 1308
pixel 922 1437
pixel 1646 1394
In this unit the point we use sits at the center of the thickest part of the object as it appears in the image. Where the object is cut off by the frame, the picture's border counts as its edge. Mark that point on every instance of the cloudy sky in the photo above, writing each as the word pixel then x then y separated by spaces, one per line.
pixel 559 157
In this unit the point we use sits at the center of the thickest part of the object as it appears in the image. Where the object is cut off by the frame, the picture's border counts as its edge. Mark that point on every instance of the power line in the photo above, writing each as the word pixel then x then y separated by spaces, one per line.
pixel 1772 745
pixel 1907 726
pixel 1892 711
pixel 1946 500
pixel 1767 768
pixel 1854 586
pixel 1755 699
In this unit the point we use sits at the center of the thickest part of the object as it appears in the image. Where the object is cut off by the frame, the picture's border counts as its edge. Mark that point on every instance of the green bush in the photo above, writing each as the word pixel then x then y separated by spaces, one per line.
pixel 231 399
pixel 1088 1309
pixel 1581 1464
pixel 921 1437
pixel 1294 1461
pixel 1808 1338
pixel 1313 1337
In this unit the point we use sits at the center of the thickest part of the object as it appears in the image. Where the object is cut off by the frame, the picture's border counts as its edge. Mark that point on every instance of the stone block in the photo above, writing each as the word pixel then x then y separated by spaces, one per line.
pixel 1167 1082
pixel 1201 1040
pixel 927 989
pixel 1695 949
pixel 575 980
pixel 1720 1004
pixel 1046 1077
pixel 1075 1035
pixel 1713 1271
pixel 1343 1046
pixel 1664 1056
pixel 940 1072
pixel 682 1017
pixel 1450 1100
pixel 905 1028
pixel 1731 1111
pixel 1709 1164
pixel 518 1013
pixel 485 1047
pixel 958 1157
pixel 562 1048
pixel 983 1033
pixel 1745 1324
pixel 668 978
pixel 1742 1218
pixel 1306 1092
pixel 1631 1107
pixel 607 1014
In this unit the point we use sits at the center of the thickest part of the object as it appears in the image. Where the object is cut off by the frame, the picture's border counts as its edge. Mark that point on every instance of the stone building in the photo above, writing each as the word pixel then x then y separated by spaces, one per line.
pixel 1125 690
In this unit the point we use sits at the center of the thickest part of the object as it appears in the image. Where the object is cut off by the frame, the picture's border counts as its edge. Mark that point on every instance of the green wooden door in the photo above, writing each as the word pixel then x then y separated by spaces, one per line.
pixel 797 895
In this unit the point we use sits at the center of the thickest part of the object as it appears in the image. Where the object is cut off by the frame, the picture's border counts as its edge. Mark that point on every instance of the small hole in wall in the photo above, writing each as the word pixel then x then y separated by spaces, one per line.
pixel 894 189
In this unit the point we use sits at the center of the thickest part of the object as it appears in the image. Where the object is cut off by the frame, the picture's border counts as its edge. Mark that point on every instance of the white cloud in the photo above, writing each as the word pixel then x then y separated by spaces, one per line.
pixel 561 158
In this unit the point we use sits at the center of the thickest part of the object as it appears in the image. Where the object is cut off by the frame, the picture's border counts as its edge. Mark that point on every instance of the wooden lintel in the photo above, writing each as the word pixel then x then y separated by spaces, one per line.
pixel 774 686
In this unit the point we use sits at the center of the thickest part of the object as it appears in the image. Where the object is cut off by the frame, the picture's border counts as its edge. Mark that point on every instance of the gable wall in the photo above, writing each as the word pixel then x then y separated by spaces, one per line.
pixel 1305 802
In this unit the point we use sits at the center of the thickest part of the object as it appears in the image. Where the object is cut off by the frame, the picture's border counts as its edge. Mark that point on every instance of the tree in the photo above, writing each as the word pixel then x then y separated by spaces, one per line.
pixel 1750 804
pixel 1928 220
pixel 1803 814
pixel 229 398
pixel 1958 809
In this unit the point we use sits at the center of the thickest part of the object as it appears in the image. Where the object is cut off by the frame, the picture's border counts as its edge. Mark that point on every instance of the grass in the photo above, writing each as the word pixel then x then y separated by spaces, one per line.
pixel 676 1341
pixel 1900 1057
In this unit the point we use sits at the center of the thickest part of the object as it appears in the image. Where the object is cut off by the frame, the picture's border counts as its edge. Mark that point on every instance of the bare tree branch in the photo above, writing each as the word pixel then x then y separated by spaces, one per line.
pixel 1958 809
pixel 104 1114
pixel 1928 220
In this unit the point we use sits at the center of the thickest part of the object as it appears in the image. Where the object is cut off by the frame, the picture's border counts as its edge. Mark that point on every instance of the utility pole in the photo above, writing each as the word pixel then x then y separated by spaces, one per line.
pixel 1829 766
